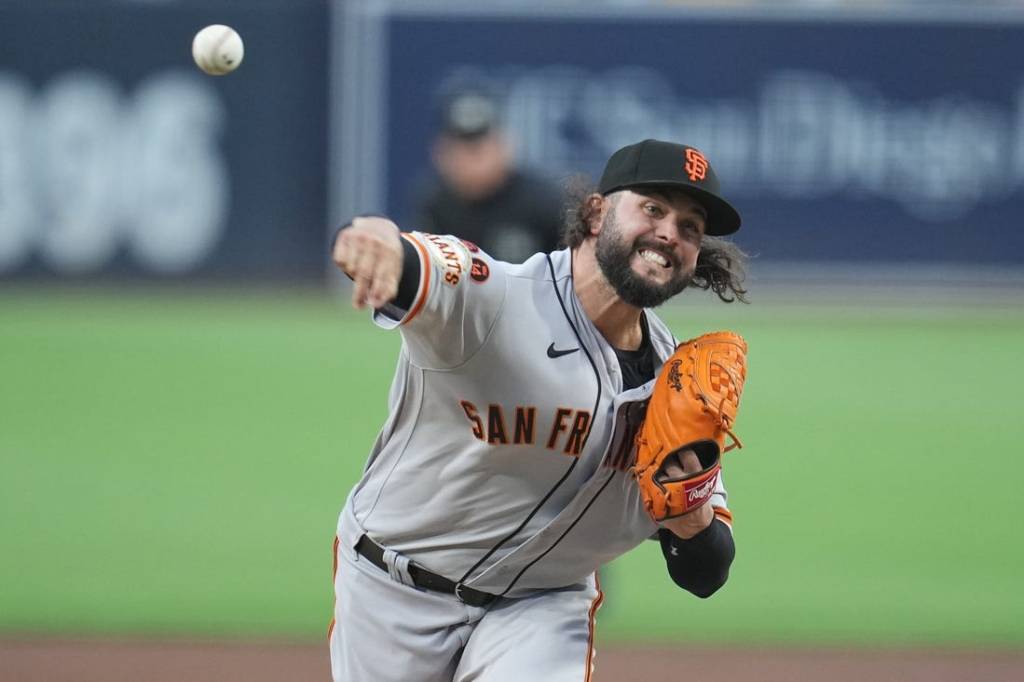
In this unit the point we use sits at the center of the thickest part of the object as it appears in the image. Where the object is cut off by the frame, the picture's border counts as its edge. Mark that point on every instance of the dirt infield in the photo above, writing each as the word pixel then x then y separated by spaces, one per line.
pixel 44 660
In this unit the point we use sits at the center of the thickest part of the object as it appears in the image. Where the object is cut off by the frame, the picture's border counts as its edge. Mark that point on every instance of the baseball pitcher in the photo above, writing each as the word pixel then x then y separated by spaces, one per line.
pixel 542 421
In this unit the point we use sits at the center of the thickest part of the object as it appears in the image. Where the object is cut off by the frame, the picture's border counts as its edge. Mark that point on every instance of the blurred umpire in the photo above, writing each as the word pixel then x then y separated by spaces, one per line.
pixel 479 194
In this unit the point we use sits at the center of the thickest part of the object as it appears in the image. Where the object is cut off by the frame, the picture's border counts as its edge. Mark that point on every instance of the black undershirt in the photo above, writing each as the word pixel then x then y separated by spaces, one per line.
pixel 701 564
pixel 637 366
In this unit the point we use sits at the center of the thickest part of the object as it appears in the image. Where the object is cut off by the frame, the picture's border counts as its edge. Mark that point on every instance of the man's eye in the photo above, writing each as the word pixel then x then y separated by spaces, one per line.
pixel 689 229
pixel 652 209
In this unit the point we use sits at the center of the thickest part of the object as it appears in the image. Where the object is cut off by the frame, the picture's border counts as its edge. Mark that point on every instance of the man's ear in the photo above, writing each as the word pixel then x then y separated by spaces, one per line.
pixel 597 206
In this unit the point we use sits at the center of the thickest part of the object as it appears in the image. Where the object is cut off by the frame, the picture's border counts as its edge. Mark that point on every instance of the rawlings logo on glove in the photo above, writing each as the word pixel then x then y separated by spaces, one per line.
pixel 693 407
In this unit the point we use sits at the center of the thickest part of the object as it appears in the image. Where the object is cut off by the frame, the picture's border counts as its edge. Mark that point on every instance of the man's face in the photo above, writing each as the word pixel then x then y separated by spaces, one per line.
pixel 648 244
pixel 475 168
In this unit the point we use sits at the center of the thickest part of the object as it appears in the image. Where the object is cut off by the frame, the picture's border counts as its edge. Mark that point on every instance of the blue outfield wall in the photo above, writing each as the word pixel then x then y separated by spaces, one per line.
pixel 118 157
pixel 853 141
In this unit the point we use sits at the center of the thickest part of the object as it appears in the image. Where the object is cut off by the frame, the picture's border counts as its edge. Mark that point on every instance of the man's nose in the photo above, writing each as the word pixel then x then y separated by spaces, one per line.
pixel 665 231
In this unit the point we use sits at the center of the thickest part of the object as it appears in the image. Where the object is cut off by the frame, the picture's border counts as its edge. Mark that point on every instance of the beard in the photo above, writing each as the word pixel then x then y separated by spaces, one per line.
pixel 614 257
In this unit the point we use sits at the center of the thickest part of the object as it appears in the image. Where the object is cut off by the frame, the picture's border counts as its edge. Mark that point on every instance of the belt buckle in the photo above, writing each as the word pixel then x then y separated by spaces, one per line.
pixel 458 592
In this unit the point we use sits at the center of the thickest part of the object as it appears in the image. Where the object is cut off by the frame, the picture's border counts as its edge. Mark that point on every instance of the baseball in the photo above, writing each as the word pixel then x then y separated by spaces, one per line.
pixel 217 49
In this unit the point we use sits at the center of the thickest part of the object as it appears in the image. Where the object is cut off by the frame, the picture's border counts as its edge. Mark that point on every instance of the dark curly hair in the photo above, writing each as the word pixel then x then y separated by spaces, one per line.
pixel 721 265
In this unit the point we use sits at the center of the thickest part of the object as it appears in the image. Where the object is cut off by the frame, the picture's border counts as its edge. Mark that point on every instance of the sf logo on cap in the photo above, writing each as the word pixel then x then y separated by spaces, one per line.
pixel 696 165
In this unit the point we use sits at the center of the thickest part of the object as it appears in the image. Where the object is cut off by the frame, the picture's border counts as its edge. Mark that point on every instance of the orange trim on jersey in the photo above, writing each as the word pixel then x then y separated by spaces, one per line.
pixel 724 514
pixel 334 577
pixel 421 298
pixel 591 622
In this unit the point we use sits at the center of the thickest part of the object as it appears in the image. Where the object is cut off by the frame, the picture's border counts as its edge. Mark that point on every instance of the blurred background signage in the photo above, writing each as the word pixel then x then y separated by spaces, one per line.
pixel 118 158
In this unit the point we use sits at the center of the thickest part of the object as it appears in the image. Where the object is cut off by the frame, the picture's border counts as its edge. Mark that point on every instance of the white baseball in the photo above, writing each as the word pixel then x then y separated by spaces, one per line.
pixel 217 49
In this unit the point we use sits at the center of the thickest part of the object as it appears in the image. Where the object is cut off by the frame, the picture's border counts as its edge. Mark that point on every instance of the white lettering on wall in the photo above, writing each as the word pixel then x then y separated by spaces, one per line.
pixel 802 135
pixel 87 171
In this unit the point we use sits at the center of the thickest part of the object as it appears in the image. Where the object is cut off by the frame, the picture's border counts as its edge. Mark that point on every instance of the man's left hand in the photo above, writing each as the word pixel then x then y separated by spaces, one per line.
pixel 690 523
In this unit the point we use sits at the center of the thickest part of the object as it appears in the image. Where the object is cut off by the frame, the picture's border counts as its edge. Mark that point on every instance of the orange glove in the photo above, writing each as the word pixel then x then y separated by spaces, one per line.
pixel 693 407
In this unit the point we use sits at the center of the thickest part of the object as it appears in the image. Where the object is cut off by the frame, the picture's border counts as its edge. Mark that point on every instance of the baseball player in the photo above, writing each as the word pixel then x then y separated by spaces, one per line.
pixel 501 479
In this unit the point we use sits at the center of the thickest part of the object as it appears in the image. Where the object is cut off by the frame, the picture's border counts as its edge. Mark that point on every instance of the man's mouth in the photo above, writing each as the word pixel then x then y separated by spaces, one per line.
pixel 652 256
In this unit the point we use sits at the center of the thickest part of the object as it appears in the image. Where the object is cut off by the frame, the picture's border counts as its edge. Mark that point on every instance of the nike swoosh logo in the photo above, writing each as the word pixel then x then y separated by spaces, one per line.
pixel 553 353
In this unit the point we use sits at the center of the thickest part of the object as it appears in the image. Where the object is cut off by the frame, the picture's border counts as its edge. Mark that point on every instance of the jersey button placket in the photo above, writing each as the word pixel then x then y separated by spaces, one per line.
pixel 612 362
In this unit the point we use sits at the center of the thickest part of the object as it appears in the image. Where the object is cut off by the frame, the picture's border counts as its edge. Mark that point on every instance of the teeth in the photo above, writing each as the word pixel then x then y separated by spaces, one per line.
pixel 654 257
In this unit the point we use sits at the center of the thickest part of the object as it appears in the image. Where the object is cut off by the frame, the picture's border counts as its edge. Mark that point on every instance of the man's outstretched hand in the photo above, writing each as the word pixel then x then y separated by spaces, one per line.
pixel 369 251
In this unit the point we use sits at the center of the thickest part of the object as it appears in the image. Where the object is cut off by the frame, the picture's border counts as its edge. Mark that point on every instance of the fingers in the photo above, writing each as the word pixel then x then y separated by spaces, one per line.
pixel 356 259
pixel 682 464
pixel 362 276
pixel 383 285
pixel 370 253
pixel 691 463
pixel 673 469
pixel 342 253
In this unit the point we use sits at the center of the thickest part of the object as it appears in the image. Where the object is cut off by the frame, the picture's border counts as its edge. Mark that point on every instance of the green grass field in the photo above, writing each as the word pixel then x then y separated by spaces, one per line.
pixel 175 464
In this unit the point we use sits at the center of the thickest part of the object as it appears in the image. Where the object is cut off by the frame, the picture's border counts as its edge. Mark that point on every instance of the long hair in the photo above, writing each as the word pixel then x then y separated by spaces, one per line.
pixel 721 265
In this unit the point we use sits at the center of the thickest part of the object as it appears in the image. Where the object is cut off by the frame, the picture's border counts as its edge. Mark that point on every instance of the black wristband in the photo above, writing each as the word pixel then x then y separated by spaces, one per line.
pixel 700 564
pixel 409 283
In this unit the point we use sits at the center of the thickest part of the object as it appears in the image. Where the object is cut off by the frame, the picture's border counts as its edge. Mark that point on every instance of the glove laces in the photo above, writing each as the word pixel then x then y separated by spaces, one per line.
pixel 718 412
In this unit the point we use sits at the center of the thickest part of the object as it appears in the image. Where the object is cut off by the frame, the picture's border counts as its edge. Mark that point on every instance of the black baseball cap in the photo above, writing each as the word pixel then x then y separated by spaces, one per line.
pixel 469 115
pixel 653 163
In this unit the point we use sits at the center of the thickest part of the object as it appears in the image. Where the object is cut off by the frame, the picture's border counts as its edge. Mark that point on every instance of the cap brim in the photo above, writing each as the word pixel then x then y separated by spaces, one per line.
pixel 465 134
pixel 722 218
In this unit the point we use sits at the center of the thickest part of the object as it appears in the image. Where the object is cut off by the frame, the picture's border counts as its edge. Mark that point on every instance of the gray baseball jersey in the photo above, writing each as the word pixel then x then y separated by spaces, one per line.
pixel 504 462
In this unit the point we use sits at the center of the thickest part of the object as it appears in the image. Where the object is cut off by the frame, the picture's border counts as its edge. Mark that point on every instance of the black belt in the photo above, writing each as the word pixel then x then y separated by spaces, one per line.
pixel 424 578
